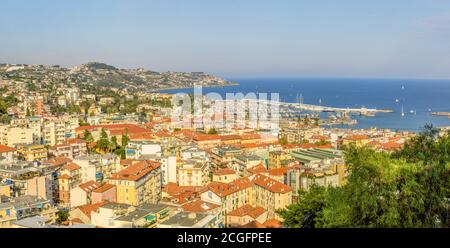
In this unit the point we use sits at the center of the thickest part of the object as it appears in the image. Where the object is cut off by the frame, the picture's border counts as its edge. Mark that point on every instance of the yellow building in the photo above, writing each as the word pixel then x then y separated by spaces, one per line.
pixel 5 190
pixel 139 183
pixel 357 140
pixel 277 159
pixel 225 176
pixel 33 152
pixel 271 195
pixel 256 191
pixel 193 173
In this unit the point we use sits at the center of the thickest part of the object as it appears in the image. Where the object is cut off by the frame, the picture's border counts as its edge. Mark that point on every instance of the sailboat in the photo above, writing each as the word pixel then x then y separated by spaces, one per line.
pixel 403 112
pixel 396 100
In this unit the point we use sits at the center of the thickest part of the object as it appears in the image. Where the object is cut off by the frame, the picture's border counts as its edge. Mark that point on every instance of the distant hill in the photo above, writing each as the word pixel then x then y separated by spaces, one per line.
pixel 101 74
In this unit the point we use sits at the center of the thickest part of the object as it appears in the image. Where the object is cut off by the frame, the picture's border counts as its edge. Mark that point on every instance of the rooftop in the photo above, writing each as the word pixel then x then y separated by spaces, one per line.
pixel 136 171
pixel 253 212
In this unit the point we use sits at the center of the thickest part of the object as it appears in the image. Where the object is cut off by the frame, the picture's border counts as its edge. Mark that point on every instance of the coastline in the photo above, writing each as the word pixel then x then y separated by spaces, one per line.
pixel 181 88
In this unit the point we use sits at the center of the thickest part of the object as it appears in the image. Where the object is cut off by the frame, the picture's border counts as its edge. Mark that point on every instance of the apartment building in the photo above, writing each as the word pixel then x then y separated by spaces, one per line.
pixel 82 194
pixel 13 136
pixel 193 172
pixel 69 178
pixel 27 179
pixel 71 148
pixel 97 167
pixel 138 183
pixel 18 208
pixel 33 152
pixel 270 194
pixel 7 154
pixel 256 191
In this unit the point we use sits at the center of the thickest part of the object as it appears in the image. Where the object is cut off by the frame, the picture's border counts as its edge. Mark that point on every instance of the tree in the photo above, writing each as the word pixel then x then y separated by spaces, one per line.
pixel 306 212
pixel 410 188
pixel 322 143
pixel 306 121
pixel 283 141
pixel 125 139
pixel 87 136
pixel 3 107
pixel 103 143
pixel 63 215
pixel 212 131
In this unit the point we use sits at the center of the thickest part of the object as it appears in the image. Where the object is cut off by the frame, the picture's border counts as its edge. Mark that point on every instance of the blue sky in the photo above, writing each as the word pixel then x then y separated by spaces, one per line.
pixel 306 38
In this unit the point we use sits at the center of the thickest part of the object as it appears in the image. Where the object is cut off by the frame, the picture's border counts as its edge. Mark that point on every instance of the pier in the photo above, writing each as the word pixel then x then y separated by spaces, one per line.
pixel 314 108
pixel 317 108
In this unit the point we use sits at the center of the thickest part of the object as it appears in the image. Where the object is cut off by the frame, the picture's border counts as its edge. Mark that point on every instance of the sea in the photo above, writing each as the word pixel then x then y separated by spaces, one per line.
pixel 419 98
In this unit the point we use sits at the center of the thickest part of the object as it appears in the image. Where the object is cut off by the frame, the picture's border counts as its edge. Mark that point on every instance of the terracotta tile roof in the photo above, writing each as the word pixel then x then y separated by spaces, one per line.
pixel 271 184
pixel 260 168
pixel 141 136
pixel 222 172
pixel 105 187
pixel 357 137
pixel 58 161
pixel 230 137
pixel 206 137
pixel 199 206
pixel 126 162
pixel 64 176
pixel 224 189
pixel 250 136
pixel 162 134
pixel 4 148
pixel 116 128
pixel 272 223
pixel 173 189
pixel 89 186
pixel 221 189
pixel 374 143
pixel 253 212
pixel 88 209
pixel 136 171
pixel 395 138
pixel 71 167
pixel 278 171
pixel 391 146
pixel 253 224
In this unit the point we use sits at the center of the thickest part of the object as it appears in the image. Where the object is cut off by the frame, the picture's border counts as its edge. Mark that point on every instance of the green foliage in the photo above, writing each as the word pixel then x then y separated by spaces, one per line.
pixel 322 143
pixel 283 141
pixel 305 213
pixel 62 216
pixel 103 144
pixel 87 136
pixel 410 188
pixel 212 131
pixel 3 107
pixel 70 109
